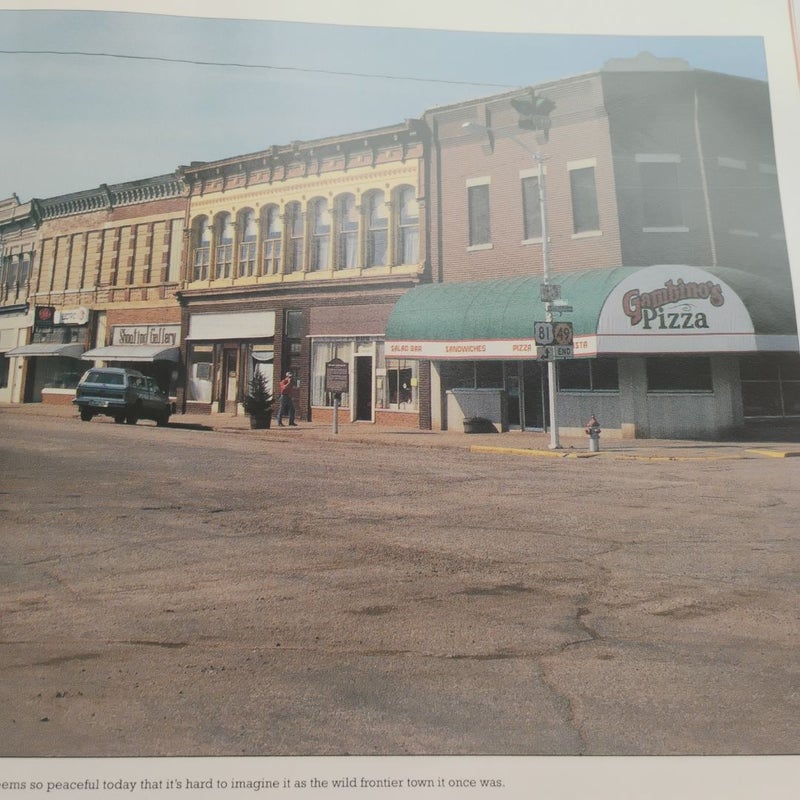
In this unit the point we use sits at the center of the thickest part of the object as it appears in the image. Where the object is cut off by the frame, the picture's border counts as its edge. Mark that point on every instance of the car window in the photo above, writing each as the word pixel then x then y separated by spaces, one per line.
pixel 98 376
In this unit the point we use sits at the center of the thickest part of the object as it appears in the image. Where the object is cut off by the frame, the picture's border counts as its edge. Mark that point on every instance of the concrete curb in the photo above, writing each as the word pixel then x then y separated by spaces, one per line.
pixel 775 453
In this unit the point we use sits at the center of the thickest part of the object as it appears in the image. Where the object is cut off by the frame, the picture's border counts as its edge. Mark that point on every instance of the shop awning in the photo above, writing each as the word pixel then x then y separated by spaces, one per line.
pixel 132 353
pixel 657 309
pixel 47 349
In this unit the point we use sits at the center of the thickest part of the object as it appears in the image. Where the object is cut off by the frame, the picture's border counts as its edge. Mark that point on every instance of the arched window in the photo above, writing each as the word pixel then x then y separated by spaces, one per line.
pixel 248 233
pixel 346 231
pixel 201 245
pixel 320 234
pixel 377 230
pixel 294 227
pixel 271 235
pixel 224 254
pixel 407 228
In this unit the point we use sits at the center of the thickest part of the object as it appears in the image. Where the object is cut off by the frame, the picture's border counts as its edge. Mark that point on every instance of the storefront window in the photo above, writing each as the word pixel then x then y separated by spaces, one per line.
pixel 458 375
pixel 679 374
pixel 771 385
pixel 588 374
pixel 321 354
pixel 489 374
pixel 400 385
pixel 200 373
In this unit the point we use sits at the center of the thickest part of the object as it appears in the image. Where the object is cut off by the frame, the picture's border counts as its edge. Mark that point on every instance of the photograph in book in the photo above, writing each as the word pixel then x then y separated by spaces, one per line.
pixel 521 303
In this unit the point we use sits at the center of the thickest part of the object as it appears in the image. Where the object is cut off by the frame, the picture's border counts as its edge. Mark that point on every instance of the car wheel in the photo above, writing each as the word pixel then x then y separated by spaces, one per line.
pixel 162 420
pixel 86 415
pixel 119 419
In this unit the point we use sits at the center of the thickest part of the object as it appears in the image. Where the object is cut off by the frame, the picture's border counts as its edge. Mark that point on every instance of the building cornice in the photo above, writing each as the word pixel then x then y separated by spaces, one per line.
pixel 106 197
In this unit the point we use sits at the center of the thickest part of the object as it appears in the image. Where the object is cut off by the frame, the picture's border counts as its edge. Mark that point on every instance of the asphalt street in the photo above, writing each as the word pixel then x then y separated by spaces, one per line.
pixel 180 591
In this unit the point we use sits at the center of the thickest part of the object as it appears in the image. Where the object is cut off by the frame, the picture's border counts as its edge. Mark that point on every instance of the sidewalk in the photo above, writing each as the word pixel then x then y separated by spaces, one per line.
pixel 512 443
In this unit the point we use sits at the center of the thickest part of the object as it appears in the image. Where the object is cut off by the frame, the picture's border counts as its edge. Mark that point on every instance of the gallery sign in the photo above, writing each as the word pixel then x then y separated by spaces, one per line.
pixel 137 335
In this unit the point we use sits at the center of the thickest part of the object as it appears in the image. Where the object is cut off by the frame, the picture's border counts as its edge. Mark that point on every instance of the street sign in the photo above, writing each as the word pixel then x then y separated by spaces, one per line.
pixel 337 376
pixel 545 333
pixel 554 352
pixel 549 292
pixel 562 333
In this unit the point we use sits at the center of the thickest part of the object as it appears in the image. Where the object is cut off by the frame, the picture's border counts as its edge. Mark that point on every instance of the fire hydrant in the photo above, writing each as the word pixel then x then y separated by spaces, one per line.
pixel 593 431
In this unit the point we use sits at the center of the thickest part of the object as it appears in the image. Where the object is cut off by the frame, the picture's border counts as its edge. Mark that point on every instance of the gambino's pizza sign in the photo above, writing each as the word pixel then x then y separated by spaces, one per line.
pixel 674 309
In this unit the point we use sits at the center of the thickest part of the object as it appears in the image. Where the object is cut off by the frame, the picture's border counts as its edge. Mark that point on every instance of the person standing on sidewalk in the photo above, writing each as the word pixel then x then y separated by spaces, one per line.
pixel 286 402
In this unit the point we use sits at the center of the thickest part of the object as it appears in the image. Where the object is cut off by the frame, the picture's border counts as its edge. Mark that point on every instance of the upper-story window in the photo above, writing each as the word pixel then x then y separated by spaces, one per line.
pixel 320 234
pixel 248 234
pixel 10 272
pixel 583 192
pixel 201 244
pixel 271 231
pixel 294 226
pixel 531 208
pixel 377 219
pixel 346 231
pixel 661 197
pixel 407 209
pixel 480 231
pixel 224 249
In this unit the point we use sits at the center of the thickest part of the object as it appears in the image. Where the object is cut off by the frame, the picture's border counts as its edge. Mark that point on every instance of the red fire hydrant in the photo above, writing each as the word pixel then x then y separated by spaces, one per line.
pixel 593 431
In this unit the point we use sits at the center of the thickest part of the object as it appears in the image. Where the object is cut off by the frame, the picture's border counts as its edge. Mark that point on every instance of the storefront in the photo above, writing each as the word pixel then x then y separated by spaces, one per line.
pixel 383 390
pixel 154 350
pixel 662 351
pixel 52 363
pixel 15 325
pixel 223 350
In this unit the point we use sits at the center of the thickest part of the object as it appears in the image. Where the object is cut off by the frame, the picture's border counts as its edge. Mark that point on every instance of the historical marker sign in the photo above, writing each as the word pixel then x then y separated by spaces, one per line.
pixel 337 376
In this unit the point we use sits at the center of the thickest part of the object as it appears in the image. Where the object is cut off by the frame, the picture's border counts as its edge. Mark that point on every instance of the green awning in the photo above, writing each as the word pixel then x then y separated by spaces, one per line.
pixel 488 315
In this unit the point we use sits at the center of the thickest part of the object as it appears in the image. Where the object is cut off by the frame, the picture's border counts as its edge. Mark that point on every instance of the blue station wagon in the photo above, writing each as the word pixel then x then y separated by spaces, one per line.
pixel 124 394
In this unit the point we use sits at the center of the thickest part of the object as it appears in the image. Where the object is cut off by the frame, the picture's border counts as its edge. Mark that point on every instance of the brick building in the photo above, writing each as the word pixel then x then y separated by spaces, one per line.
pixel 107 264
pixel 656 175
pixel 18 232
pixel 296 256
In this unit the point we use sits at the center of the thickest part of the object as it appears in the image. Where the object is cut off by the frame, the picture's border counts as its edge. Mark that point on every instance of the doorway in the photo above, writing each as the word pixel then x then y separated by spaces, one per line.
pixel 363 388
pixel 230 380
pixel 526 387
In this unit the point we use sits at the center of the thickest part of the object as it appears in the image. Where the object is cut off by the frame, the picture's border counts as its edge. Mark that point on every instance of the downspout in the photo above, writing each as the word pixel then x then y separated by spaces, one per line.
pixel 701 158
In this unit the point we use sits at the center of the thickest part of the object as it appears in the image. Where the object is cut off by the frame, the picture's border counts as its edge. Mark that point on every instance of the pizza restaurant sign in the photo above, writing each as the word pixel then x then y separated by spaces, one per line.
pixel 657 304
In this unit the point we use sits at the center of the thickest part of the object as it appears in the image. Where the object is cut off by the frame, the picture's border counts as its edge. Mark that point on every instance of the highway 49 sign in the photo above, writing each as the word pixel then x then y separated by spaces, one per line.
pixel 553 333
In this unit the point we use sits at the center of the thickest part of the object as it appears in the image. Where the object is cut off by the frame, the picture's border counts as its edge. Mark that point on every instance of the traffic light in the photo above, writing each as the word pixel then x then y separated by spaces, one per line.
pixel 534 113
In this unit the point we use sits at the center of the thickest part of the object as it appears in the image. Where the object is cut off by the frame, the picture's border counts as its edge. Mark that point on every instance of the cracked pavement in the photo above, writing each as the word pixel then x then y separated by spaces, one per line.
pixel 183 592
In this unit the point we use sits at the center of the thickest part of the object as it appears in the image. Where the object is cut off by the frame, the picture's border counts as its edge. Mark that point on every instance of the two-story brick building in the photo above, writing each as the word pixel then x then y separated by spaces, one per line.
pixel 102 285
pixel 664 232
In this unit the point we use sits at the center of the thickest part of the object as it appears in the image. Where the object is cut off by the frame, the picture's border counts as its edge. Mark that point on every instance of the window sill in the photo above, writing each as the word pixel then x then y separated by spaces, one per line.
pixel 474 247
pixel 674 229
pixel 587 235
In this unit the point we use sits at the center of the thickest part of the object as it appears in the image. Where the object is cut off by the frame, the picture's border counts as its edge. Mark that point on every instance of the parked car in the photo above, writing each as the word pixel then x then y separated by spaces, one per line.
pixel 124 394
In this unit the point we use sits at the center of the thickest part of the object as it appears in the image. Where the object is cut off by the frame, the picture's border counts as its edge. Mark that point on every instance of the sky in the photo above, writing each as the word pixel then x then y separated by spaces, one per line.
pixel 73 120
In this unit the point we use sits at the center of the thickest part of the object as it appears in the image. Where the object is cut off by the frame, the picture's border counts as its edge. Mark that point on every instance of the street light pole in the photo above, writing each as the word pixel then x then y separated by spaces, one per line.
pixel 555 442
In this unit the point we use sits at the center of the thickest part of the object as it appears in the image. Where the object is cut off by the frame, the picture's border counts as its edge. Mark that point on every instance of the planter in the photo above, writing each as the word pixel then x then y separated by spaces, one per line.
pixel 259 422
pixel 478 425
